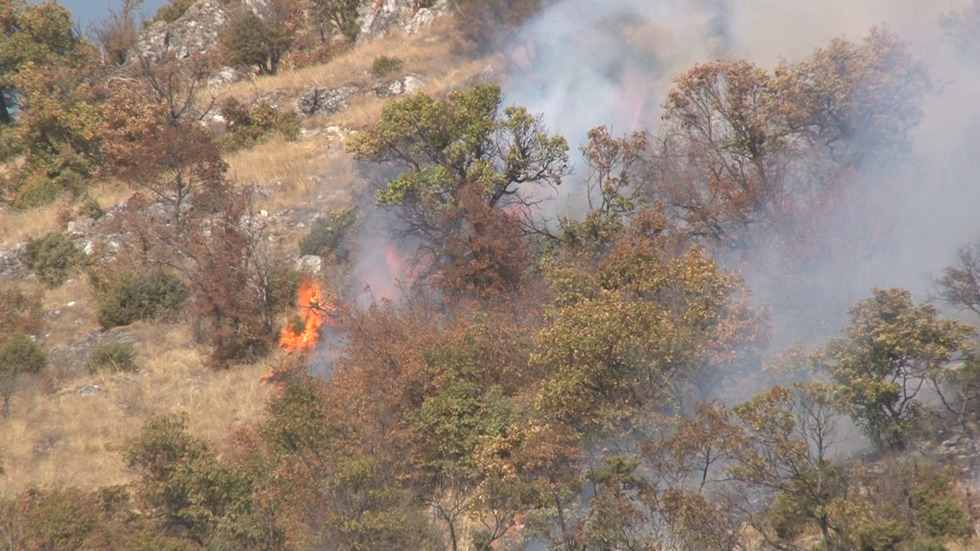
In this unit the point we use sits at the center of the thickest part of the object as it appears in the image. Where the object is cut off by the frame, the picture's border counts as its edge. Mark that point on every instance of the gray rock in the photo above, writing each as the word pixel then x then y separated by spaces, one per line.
pixel 80 226
pixel 198 30
pixel 89 390
pixel 408 84
pixel 325 100
pixel 310 264
pixel 422 19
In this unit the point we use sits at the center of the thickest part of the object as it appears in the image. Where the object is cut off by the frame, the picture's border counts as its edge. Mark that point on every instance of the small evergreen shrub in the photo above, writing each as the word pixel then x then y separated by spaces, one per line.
pixel 156 295
pixel 328 235
pixel 38 192
pixel 53 258
pixel 20 354
pixel 90 208
pixel 113 356
pixel 248 127
pixel 172 11
pixel 384 66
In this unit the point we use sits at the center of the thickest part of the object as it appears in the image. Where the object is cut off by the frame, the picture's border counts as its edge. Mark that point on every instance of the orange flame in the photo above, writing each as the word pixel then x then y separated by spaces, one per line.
pixel 313 312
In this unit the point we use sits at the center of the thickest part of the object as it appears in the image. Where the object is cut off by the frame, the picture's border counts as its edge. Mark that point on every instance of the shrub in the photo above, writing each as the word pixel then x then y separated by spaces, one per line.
pixel 172 11
pixel 384 66
pixel 53 258
pixel 20 354
pixel 37 192
pixel 156 295
pixel 113 356
pixel 248 127
pixel 91 208
pixel 328 235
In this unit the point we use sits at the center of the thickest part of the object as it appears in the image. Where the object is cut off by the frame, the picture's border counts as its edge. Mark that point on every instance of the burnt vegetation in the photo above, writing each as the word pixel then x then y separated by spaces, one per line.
pixel 559 381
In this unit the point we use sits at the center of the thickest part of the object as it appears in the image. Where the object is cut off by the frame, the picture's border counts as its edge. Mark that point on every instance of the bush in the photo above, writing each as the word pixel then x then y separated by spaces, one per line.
pixel 328 235
pixel 91 208
pixel 172 11
pixel 53 258
pixel 20 354
pixel 113 356
pixel 37 192
pixel 248 127
pixel 384 66
pixel 156 295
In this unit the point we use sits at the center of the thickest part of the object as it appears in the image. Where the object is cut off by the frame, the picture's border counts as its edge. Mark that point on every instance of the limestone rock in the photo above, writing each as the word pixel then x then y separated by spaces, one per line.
pixel 403 86
pixel 325 100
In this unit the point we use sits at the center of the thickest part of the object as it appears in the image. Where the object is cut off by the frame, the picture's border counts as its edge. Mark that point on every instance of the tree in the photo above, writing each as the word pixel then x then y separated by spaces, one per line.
pixel 889 352
pixel 339 15
pixel 443 147
pixel 638 336
pixel 790 433
pixel 185 488
pixel 32 33
pixel 261 37
pixel 960 284
pixel 743 150
pixel 117 33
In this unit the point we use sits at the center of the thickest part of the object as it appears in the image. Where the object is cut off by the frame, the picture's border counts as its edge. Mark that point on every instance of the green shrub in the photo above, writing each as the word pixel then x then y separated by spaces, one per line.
pixel 113 356
pixel 942 518
pixel 156 295
pixel 172 11
pixel 248 127
pixel 53 258
pixel 881 536
pixel 91 208
pixel 20 354
pixel 329 235
pixel 384 66
pixel 37 192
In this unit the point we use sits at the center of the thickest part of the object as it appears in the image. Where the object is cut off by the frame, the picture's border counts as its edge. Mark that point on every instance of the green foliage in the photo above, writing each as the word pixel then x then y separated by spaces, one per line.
pixel 248 127
pixel 20 354
pixel 251 40
pixel 384 66
pixel 337 15
pixel 172 11
pixel 638 336
pixel 891 349
pixel 90 208
pixel 330 235
pixel 37 192
pixel 53 258
pixel 113 356
pixel 154 295
pixel 184 487
pixel 881 536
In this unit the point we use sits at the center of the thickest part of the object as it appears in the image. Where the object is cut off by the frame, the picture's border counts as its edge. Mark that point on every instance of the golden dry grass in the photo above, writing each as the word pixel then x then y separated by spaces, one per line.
pixel 19 226
pixel 66 437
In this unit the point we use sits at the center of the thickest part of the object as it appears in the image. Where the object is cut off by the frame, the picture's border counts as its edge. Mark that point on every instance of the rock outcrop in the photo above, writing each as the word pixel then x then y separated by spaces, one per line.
pixel 198 30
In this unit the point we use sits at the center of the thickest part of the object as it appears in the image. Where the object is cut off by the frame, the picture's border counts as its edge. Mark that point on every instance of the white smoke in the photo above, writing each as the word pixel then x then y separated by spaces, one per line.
pixel 585 63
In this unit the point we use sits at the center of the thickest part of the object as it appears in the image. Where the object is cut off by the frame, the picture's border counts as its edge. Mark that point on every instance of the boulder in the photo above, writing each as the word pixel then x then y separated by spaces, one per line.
pixel 198 30
pixel 403 86
pixel 325 100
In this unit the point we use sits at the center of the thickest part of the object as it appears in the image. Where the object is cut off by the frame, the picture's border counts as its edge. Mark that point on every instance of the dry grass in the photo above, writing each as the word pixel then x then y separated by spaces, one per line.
pixel 295 173
pixel 68 437
pixel 19 226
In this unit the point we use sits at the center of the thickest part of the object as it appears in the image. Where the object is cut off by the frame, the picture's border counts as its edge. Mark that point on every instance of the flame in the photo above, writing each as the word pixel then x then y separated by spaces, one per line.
pixel 313 311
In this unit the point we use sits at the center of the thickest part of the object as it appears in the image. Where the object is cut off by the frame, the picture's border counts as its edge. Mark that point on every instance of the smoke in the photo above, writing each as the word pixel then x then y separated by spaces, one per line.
pixel 584 63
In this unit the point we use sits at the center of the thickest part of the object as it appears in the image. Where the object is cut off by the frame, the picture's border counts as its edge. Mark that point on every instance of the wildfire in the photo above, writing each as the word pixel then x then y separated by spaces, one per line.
pixel 313 311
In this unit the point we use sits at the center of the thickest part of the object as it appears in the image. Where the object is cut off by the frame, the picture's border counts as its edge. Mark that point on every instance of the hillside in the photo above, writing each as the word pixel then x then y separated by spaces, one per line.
pixel 518 274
